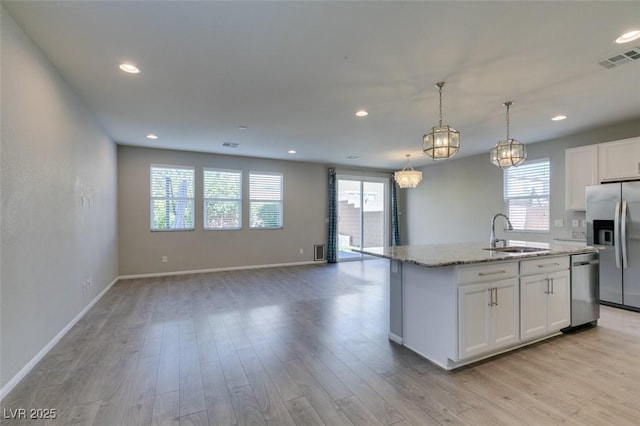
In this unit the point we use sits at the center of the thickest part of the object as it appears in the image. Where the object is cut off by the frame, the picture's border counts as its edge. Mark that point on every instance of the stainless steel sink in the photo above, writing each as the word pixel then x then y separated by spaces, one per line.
pixel 515 249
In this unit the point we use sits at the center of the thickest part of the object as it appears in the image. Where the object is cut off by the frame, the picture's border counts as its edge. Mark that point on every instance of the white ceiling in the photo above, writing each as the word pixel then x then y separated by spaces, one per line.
pixel 295 72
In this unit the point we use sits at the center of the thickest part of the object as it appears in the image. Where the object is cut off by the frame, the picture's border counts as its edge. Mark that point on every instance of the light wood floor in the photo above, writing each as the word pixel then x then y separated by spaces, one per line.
pixel 308 346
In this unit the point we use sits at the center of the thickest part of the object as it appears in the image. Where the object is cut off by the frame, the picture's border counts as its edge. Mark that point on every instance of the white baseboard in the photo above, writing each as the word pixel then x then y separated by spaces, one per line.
pixel 27 368
pixel 395 338
pixel 202 271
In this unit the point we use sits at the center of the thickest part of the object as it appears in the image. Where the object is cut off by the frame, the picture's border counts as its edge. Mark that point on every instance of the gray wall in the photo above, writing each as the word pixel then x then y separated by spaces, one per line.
pixel 141 251
pixel 52 155
pixel 456 199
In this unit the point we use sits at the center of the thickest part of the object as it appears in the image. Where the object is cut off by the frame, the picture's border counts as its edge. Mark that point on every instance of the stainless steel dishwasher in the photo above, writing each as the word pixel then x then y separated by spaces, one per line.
pixel 585 289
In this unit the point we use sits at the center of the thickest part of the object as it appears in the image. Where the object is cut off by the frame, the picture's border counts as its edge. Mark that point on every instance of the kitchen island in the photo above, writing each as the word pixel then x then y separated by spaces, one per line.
pixel 459 303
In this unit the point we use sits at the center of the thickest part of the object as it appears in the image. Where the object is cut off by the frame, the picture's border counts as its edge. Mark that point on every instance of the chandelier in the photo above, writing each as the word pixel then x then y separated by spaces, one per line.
pixel 508 152
pixel 408 177
pixel 441 142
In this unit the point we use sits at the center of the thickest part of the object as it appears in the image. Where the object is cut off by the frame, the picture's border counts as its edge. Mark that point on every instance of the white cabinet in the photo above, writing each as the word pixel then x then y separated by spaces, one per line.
pixel 545 297
pixel 488 311
pixel 619 160
pixel 559 298
pixel 581 169
pixel 488 317
pixel 454 315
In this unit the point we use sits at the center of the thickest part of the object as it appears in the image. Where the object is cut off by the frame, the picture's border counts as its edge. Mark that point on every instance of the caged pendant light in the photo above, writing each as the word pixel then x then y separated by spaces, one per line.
pixel 408 177
pixel 508 152
pixel 441 142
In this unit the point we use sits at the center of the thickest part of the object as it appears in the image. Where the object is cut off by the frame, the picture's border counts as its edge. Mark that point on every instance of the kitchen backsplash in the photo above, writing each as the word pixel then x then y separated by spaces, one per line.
pixel 578 235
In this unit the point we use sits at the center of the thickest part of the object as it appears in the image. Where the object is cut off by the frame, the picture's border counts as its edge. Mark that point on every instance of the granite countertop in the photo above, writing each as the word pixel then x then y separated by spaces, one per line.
pixel 433 255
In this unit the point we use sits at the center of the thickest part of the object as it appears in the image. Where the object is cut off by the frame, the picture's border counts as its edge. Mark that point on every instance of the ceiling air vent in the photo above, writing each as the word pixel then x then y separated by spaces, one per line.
pixel 622 58
pixel 230 144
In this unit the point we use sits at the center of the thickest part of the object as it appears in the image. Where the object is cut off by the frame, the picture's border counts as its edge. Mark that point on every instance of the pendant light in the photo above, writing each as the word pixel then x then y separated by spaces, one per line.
pixel 508 152
pixel 408 177
pixel 441 142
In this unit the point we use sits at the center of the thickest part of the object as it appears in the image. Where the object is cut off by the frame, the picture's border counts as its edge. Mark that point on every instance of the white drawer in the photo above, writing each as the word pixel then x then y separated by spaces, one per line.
pixel 487 272
pixel 543 265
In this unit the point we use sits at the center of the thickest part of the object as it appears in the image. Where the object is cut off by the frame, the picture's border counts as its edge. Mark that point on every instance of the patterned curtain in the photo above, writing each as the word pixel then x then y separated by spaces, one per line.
pixel 395 234
pixel 332 245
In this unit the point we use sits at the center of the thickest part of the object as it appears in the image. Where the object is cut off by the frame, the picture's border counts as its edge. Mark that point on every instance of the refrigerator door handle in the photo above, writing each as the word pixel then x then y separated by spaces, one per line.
pixel 623 233
pixel 616 233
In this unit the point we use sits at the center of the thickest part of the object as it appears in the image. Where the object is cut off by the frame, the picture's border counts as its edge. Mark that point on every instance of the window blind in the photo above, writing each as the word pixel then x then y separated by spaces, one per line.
pixel 526 195
pixel 265 200
pixel 222 196
pixel 172 198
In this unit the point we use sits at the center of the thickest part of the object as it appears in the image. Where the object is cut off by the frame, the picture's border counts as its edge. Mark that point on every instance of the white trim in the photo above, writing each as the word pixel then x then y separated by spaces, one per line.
pixel 455 364
pixel 29 366
pixel 395 338
pixel 202 271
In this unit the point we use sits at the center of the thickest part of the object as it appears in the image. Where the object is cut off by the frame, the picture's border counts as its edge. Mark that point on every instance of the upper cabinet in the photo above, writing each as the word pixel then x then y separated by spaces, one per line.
pixel 619 160
pixel 594 164
pixel 581 169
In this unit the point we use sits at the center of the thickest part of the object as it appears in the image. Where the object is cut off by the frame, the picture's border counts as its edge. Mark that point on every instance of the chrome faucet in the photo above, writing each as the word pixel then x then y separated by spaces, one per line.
pixel 492 239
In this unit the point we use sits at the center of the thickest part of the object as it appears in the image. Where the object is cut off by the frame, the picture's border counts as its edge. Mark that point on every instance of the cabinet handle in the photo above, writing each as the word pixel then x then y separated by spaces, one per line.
pixel 551 285
pixel 547 290
pixel 496 272
pixel 548 264
pixel 493 300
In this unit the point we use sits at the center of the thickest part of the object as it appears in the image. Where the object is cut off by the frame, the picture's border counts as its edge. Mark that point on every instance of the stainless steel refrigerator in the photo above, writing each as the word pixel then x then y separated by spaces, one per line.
pixel 613 221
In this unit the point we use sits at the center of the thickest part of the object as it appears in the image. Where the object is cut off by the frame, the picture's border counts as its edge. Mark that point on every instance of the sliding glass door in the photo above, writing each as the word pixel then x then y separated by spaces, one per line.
pixel 362 215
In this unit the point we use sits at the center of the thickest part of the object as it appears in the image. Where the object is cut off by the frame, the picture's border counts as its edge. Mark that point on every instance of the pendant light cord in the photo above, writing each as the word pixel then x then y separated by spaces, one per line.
pixel 407 166
pixel 440 87
pixel 507 104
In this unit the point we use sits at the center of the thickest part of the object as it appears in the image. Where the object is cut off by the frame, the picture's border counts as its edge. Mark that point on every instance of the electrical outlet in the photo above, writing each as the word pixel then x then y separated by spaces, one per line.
pixel 583 223
pixel 558 223
pixel 575 223
pixel 301 251
pixel 165 259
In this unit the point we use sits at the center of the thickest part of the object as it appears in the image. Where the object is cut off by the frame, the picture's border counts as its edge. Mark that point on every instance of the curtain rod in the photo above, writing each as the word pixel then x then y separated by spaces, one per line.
pixel 360 169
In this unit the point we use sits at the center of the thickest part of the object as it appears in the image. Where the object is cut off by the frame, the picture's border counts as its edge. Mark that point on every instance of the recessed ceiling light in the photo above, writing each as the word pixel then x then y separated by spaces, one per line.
pixel 152 136
pixel 242 127
pixel 291 151
pixel 351 157
pixel 627 37
pixel 131 69
pixel 361 113
pixel 559 117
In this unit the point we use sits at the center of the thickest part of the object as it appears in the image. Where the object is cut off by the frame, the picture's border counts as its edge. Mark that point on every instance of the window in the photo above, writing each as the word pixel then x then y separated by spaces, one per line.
pixel 265 200
pixel 526 195
pixel 172 197
pixel 222 199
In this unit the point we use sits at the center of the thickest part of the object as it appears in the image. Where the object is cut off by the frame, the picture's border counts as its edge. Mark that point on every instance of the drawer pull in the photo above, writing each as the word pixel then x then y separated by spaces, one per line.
pixel 497 272
pixel 493 291
pixel 548 265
